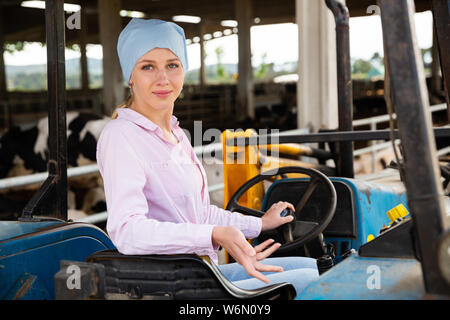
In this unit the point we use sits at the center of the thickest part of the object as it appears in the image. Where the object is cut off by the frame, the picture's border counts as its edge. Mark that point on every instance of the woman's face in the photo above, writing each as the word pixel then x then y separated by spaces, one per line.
pixel 157 79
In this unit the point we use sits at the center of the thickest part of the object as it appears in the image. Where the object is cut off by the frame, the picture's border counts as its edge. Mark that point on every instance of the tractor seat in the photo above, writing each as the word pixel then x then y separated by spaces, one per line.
pixel 182 276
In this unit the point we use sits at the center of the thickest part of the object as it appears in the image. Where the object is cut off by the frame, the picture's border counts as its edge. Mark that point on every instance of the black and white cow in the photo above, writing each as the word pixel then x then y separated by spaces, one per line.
pixel 83 130
pixel 17 145
pixel 24 150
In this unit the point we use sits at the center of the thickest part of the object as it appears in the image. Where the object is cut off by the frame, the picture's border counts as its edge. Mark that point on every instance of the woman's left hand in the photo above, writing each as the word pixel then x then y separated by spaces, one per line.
pixel 272 219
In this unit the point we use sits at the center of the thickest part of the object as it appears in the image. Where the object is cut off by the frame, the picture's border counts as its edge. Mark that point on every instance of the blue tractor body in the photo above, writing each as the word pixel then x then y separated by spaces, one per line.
pixel 367 278
pixel 30 254
pixel 359 277
pixel 360 212
pixel 371 203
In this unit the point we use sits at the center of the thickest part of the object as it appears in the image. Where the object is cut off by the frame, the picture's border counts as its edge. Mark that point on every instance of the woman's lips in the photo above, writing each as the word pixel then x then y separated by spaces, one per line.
pixel 162 93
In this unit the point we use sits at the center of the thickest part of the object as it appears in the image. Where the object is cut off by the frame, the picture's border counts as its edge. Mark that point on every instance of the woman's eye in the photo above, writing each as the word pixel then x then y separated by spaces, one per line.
pixel 173 66
pixel 147 67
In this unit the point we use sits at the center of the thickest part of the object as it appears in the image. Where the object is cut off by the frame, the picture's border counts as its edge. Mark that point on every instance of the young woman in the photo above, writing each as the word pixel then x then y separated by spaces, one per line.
pixel 156 189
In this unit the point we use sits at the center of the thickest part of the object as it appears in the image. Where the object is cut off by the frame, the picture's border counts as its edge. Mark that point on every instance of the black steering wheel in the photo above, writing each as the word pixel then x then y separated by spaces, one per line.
pixel 297 233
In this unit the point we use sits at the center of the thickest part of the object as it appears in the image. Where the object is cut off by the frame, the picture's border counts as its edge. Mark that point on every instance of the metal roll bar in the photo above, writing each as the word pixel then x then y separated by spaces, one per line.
pixel 410 99
pixel 51 198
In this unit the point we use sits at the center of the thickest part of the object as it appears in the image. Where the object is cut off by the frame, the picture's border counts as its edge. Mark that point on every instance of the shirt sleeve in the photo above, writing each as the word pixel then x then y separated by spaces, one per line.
pixel 249 225
pixel 132 232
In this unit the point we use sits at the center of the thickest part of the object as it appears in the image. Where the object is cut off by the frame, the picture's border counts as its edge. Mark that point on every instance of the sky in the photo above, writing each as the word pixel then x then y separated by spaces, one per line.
pixel 278 42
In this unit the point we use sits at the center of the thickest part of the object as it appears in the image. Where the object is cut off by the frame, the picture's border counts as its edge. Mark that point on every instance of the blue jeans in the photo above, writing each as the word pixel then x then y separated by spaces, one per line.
pixel 299 271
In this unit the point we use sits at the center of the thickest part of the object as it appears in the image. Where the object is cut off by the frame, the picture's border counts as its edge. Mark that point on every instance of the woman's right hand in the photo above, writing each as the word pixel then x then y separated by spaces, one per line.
pixel 234 242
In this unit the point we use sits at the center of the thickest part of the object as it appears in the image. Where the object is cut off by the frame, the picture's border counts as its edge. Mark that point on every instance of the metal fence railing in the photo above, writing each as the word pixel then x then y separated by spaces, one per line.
pixel 21 181
pixel 377 146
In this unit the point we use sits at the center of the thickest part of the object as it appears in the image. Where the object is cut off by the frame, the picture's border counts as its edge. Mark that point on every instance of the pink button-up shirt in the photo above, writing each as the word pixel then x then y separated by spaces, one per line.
pixel 157 193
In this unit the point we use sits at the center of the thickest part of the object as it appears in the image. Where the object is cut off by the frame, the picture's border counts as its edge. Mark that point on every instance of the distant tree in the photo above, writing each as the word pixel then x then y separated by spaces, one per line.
pixel 74 47
pixel 377 59
pixel 361 66
pixel 220 69
pixel 264 68
pixel 13 47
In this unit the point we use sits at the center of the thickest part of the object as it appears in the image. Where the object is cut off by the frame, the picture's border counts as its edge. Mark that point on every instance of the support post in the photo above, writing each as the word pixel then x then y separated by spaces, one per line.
pixel 317 105
pixel 441 19
pixel 110 25
pixel 245 101
pixel 344 85
pixel 436 86
pixel 51 198
pixel 83 43
pixel 2 61
pixel 201 32
pixel 410 99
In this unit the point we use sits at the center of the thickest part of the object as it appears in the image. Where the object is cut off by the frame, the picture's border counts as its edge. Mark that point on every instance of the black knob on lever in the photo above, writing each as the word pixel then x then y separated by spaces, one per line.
pixel 287 228
pixel 285 212
pixel 288 212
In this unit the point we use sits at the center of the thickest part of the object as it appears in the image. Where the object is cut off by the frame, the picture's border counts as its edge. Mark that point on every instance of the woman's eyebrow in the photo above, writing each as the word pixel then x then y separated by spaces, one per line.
pixel 153 61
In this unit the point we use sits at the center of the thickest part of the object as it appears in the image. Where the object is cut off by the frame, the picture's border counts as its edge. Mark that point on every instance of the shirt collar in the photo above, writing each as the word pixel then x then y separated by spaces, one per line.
pixel 141 120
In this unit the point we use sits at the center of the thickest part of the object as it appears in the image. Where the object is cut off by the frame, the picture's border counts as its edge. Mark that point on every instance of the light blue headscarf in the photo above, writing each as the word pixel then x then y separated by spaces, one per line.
pixel 141 35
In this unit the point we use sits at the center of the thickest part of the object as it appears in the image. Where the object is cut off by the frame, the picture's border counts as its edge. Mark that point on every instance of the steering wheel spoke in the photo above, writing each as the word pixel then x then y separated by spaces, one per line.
pixel 288 234
pixel 245 210
pixel 313 183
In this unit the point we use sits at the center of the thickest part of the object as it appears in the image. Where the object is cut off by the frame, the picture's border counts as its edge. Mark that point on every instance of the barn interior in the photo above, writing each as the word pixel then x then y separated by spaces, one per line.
pixel 310 104
pixel 102 20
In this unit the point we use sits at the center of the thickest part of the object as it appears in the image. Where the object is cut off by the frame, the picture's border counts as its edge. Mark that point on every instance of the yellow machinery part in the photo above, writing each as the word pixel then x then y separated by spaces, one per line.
pixel 293 149
pixel 241 163
pixel 397 212
pixel 274 163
